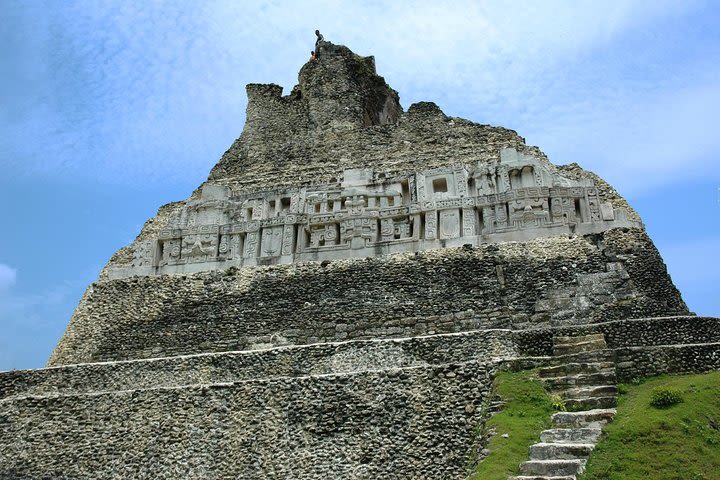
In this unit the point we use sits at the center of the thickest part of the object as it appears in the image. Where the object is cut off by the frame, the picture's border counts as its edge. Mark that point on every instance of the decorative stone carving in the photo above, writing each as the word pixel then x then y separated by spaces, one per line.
pixel 357 232
pixel 593 203
pixel 461 180
pixel 271 241
pixel 529 212
pixel 412 189
pixel 199 247
pixel 143 254
pixel 469 222
pixel 431 228
pixel 421 189
pixel 449 224
pixel 288 239
pixel 229 246
pixel 485 179
pixel 252 239
pixel 518 197
pixel 504 179
pixel 501 217
pixel 402 228
pixel 170 251
pixel 387 229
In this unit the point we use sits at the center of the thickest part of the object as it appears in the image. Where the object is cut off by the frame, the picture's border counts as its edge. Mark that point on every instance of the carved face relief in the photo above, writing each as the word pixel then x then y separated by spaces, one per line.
pixel 199 246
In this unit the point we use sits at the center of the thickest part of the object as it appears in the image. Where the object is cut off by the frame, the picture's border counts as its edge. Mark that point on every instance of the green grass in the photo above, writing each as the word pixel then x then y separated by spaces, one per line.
pixel 526 413
pixel 678 442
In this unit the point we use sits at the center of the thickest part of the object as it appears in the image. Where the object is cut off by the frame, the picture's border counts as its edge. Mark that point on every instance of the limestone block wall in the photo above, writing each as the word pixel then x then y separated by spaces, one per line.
pixel 638 362
pixel 556 281
pixel 623 334
pixel 643 347
pixel 396 424
pixel 292 361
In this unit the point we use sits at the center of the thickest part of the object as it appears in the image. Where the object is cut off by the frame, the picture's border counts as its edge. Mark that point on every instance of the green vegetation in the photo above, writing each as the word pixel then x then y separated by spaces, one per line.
pixel 665 397
pixel 679 441
pixel 526 413
pixel 558 403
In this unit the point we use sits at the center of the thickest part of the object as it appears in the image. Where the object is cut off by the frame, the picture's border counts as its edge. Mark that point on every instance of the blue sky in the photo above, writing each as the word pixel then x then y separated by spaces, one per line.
pixel 110 109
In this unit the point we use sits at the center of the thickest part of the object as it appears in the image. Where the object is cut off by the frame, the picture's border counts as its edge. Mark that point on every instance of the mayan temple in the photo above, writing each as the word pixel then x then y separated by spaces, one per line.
pixel 336 299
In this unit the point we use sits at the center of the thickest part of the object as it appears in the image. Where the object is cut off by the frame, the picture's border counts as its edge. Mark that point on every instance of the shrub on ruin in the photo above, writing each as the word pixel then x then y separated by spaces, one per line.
pixel 664 397
pixel 558 403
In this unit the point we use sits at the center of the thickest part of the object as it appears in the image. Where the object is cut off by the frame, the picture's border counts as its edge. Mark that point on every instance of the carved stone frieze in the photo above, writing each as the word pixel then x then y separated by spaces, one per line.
pixel 366 213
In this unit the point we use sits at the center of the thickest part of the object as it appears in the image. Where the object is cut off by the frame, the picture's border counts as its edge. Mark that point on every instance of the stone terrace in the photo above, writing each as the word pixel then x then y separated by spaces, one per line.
pixel 390 408
pixel 545 282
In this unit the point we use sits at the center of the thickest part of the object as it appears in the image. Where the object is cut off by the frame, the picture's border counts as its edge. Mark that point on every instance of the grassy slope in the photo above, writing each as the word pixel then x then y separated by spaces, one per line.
pixel 526 413
pixel 680 442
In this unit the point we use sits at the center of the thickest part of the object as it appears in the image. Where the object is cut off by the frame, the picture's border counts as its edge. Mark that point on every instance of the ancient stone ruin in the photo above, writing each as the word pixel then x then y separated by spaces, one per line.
pixel 336 299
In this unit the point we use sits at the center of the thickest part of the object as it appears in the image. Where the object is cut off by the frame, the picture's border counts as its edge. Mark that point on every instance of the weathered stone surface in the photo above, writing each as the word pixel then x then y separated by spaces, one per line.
pixel 589 419
pixel 418 422
pixel 291 361
pixel 571 435
pixel 438 291
pixel 624 334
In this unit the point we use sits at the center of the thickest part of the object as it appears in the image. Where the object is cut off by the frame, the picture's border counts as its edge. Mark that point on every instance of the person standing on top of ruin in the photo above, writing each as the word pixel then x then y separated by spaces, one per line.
pixel 320 39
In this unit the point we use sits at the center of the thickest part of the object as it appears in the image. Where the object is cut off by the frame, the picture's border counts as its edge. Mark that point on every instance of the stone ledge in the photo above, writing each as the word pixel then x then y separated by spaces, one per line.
pixel 360 355
pixel 287 361
pixel 439 370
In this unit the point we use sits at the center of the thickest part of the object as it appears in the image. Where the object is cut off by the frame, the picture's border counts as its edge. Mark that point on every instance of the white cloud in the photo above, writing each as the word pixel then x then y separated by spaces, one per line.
pixel 157 90
pixel 638 141
pixel 8 276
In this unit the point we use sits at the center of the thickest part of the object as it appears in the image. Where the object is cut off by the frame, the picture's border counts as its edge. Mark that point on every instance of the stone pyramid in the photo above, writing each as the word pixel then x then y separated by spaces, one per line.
pixel 335 300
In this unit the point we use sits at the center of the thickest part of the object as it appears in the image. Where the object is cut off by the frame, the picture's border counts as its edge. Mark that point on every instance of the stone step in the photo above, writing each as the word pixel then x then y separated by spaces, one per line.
pixel 571 435
pixel 495 407
pixel 584 404
pixel 589 418
pixel 595 356
pixel 552 468
pixel 592 391
pixel 576 368
pixel 588 346
pixel 560 451
pixel 582 379
pixel 578 339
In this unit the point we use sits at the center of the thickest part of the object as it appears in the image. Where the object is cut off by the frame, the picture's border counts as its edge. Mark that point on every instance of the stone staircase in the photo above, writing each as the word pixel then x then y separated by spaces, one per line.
pixel 583 375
